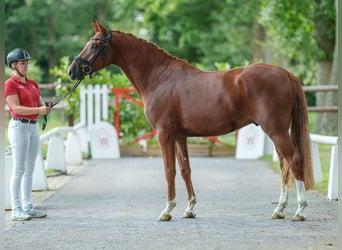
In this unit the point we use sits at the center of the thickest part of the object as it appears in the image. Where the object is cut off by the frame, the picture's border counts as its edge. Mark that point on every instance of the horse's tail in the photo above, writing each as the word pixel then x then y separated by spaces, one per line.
pixel 300 132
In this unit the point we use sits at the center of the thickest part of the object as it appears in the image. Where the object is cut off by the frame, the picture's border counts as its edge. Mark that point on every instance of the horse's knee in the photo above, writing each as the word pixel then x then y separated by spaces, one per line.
pixel 185 173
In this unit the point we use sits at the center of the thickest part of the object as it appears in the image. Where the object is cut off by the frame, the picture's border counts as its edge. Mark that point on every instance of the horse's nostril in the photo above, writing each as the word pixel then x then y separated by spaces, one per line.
pixel 71 74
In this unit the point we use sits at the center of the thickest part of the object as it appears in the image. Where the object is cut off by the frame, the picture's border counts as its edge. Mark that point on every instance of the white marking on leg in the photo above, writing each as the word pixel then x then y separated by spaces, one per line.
pixel 279 213
pixel 166 213
pixel 189 211
pixel 301 199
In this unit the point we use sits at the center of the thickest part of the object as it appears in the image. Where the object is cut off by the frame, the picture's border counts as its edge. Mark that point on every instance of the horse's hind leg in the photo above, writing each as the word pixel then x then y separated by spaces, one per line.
pixel 184 165
pixel 294 160
pixel 279 213
pixel 301 200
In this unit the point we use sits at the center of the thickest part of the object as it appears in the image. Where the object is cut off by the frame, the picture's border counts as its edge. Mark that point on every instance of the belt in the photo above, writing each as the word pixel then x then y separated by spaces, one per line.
pixel 25 120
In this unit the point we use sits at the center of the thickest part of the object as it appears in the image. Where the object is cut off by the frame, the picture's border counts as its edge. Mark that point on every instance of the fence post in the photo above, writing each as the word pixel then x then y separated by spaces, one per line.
pixel 105 91
pixel 316 162
pixel 73 152
pixel 54 153
pixel 39 176
pixel 333 174
pixel 83 101
pixel 90 107
pixel 98 108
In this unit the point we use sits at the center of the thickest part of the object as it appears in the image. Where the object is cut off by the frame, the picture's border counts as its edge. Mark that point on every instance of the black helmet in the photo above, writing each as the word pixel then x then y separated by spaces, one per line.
pixel 16 55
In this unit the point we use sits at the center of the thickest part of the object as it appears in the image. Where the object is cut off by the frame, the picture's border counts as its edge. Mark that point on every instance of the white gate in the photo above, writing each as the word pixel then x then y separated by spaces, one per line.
pixel 94 114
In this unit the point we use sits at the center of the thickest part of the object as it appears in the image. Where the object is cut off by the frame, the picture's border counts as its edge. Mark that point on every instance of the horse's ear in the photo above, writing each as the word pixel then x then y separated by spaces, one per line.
pixel 97 26
pixel 94 25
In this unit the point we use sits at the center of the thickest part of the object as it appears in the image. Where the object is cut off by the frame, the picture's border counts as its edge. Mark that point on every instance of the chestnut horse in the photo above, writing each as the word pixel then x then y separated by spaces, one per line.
pixel 182 101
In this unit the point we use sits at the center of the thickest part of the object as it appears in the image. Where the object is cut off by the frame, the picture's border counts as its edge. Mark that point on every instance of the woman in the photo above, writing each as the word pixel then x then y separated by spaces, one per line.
pixel 25 103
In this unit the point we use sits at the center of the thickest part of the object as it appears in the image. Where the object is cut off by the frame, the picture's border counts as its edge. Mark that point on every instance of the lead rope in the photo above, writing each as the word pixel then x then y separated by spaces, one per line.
pixel 54 103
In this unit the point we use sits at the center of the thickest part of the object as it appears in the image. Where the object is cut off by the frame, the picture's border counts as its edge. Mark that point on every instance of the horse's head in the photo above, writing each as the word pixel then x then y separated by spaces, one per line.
pixel 93 57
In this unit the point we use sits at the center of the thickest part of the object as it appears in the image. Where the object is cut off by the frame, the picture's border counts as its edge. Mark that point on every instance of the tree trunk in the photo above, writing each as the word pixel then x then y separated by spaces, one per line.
pixel 326 38
pixel 323 78
pixel 331 118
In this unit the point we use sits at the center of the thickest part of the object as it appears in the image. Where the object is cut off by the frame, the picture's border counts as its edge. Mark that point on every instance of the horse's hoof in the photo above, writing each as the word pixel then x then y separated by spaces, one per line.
pixel 278 216
pixel 298 217
pixel 165 217
pixel 189 214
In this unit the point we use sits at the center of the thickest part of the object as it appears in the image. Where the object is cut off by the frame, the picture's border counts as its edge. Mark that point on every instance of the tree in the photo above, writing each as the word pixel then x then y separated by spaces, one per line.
pixel 304 31
pixel 203 31
pixel 326 37
pixel 51 29
pixel 296 34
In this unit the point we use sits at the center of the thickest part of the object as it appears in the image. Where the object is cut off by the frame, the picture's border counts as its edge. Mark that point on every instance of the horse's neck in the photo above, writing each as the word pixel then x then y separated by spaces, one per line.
pixel 143 63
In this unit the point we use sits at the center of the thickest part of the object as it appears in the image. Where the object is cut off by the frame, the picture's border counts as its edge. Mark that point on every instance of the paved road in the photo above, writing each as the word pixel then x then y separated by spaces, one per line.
pixel 113 204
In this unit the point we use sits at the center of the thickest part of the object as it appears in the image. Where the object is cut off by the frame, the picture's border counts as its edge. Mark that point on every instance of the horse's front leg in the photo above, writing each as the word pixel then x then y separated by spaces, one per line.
pixel 184 165
pixel 167 145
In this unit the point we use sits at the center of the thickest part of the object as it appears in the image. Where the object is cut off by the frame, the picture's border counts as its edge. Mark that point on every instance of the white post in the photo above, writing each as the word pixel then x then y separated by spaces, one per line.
pixel 55 154
pixel 105 92
pixel 8 173
pixel 73 152
pixel 333 175
pixel 82 133
pixel 316 162
pixel 83 101
pixel 97 93
pixel 39 176
pixel 90 112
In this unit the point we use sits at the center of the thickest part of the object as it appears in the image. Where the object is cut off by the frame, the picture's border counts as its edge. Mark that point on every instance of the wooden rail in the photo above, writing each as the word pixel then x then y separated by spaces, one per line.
pixel 321 88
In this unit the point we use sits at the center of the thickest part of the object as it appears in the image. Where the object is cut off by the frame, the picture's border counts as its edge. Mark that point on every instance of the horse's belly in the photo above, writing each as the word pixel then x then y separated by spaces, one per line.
pixel 210 127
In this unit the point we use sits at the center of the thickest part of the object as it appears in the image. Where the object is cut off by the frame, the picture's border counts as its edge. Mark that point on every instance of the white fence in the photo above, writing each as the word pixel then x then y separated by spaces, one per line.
pixel 94 104
pixel 93 111
pixel 316 161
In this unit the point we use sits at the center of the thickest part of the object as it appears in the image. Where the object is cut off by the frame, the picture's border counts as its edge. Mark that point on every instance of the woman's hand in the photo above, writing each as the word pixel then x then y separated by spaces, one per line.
pixel 44 110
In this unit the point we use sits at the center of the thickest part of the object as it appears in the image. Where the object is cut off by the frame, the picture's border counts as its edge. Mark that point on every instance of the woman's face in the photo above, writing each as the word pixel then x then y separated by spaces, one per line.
pixel 22 66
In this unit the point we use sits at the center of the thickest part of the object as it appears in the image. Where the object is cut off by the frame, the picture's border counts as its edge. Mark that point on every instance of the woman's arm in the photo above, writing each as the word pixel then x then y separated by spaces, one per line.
pixel 13 102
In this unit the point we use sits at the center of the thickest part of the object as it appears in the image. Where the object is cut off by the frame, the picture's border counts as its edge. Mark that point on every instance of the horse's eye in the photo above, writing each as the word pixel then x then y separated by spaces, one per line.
pixel 94 46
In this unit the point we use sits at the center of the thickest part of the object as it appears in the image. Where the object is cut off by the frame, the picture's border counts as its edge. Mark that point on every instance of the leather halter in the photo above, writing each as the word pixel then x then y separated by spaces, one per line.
pixel 86 65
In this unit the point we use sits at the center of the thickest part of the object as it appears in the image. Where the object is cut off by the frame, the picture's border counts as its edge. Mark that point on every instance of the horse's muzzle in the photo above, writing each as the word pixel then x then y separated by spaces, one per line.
pixel 75 72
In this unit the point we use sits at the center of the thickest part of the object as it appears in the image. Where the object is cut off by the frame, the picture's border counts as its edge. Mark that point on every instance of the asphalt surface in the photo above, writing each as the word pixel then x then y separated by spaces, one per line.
pixel 114 204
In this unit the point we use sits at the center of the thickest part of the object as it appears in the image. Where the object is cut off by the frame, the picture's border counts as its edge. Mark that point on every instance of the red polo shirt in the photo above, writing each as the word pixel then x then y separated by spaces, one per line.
pixel 28 94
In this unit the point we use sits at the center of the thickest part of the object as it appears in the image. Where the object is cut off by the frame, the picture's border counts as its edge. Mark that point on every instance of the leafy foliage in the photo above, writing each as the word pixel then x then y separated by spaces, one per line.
pixel 294 34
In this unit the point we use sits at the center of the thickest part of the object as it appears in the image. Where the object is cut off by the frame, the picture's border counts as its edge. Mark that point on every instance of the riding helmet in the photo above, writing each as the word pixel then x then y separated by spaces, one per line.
pixel 16 55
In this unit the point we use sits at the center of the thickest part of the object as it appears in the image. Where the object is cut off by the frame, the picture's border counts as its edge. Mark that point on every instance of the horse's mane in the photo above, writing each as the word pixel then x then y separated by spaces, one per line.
pixel 152 45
